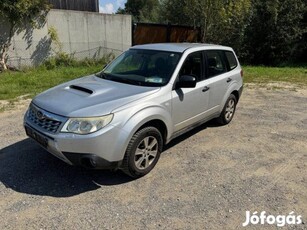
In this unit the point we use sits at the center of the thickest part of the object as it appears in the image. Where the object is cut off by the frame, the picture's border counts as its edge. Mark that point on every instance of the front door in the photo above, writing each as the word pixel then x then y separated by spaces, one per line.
pixel 189 105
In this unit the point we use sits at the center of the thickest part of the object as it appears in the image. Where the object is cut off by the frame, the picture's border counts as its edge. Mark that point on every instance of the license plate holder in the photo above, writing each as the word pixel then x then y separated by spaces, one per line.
pixel 43 141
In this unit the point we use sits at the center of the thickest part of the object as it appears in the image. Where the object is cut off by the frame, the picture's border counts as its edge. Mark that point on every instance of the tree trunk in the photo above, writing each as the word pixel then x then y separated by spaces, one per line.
pixel 3 65
pixel 5 48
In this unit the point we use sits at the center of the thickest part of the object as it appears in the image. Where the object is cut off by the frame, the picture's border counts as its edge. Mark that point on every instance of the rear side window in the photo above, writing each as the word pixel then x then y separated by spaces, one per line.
pixel 215 62
pixel 232 61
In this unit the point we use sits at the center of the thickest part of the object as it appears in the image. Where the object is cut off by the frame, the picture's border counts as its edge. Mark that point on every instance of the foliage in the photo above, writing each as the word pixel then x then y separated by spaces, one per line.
pixel 142 10
pixel 19 11
pixel 215 17
pixel 230 29
pixel 222 21
pixel 302 44
pixel 274 30
pixel 60 59
pixel 261 32
pixel 151 11
pixel 54 37
pixel 203 13
pixel 19 14
pixel 65 60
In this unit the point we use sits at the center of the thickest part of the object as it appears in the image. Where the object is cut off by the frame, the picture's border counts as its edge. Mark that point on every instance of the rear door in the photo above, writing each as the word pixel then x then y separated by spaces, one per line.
pixel 217 71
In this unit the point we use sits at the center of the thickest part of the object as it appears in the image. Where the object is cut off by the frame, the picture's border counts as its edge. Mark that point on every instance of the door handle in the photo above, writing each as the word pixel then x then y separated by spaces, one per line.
pixel 205 89
pixel 229 80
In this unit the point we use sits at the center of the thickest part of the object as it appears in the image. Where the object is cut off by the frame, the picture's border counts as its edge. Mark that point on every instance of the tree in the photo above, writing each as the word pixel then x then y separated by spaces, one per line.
pixel 150 11
pixel 301 51
pixel 231 27
pixel 142 10
pixel 261 32
pixel 222 21
pixel 203 13
pixel 175 12
pixel 16 14
pixel 274 31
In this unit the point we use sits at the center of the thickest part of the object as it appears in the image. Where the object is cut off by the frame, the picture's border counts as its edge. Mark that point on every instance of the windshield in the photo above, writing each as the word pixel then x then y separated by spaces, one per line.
pixel 142 67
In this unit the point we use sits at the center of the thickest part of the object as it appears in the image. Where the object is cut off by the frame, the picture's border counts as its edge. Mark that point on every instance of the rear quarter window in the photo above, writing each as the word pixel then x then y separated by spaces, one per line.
pixel 231 59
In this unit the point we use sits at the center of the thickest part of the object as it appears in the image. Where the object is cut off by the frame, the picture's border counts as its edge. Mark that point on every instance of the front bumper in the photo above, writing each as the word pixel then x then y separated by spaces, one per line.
pixel 91 161
pixel 102 149
pixel 91 152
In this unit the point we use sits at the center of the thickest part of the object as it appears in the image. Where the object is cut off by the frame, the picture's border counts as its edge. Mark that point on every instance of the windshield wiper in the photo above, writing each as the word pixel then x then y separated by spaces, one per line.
pixel 117 79
pixel 125 80
pixel 101 75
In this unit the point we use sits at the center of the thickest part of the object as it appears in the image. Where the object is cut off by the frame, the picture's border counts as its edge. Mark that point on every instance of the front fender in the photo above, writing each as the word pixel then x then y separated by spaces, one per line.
pixel 137 119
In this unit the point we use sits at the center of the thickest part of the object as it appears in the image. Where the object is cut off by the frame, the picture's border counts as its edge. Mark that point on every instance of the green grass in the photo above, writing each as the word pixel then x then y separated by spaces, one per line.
pixel 264 75
pixel 33 81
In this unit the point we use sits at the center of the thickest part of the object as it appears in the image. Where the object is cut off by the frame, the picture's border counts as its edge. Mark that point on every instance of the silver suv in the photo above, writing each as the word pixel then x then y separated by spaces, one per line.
pixel 122 117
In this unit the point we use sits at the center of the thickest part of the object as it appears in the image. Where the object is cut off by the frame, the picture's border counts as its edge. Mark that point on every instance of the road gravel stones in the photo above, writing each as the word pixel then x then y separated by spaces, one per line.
pixel 205 179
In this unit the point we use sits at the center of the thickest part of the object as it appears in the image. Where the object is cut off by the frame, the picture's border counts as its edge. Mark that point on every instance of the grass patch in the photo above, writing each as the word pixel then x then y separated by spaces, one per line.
pixel 264 75
pixel 34 81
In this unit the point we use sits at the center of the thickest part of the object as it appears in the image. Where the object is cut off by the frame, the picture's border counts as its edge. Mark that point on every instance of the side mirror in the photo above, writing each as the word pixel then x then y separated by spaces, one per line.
pixel 186 81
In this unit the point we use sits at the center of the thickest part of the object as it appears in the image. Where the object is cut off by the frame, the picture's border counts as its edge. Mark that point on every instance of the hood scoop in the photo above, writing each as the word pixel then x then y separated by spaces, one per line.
pixel 82 89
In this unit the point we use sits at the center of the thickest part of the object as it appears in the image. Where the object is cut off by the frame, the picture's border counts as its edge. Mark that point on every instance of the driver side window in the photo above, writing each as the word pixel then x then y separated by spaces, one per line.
pixel 193 66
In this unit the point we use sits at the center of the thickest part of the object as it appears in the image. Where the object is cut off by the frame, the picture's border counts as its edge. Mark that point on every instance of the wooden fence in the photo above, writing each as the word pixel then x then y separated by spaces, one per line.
pixel 144 33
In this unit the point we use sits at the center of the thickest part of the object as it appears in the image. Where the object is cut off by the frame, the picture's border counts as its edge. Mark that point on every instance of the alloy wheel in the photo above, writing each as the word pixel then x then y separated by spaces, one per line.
pixel 146 152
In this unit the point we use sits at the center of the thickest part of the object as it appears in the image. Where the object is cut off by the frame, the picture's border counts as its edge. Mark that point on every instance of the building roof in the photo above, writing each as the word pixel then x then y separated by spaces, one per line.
pixel 177 47
pixel 78 5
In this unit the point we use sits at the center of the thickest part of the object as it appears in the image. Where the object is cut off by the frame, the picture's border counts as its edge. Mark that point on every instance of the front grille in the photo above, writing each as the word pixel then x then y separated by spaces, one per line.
pixel 43 120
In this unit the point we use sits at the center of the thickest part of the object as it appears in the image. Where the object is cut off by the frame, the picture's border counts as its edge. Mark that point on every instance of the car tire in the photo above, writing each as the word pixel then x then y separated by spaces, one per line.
pixel 143 152
pixel 228 111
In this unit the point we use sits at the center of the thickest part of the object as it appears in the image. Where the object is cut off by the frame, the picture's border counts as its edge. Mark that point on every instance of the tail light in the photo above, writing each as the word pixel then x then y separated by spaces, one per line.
pixel 241 73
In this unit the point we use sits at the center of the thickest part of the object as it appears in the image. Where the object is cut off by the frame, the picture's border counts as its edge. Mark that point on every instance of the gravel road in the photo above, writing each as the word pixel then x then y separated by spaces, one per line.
pixel 205 179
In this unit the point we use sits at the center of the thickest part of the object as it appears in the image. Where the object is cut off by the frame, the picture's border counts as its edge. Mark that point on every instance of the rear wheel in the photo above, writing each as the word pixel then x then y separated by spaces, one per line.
pixel 228 110
pixel 143 152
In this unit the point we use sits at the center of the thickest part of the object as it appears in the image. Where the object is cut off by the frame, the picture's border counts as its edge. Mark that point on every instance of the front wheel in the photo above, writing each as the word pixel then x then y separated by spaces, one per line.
pixel 143 152
pixel 228 110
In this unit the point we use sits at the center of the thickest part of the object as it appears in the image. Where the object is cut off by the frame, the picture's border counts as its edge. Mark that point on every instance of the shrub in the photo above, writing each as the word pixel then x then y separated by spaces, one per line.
pixel 65 60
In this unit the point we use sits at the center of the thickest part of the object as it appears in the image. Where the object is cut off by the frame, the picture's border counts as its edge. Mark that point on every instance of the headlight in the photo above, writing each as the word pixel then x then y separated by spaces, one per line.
pixel 86 125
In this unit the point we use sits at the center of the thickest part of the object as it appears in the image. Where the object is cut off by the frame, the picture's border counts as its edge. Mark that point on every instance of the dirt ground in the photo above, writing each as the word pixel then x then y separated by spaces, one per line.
pixel 205 179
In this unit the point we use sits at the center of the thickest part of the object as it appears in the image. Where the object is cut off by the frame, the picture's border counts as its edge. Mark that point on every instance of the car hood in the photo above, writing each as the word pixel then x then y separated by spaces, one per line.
pixel 90 96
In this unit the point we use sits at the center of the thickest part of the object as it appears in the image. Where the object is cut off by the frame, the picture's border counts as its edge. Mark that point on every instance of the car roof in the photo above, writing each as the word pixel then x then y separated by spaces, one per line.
pixel 178 47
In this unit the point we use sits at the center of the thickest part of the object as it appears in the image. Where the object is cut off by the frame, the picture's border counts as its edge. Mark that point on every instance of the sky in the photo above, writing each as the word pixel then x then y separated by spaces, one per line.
pixel 110 6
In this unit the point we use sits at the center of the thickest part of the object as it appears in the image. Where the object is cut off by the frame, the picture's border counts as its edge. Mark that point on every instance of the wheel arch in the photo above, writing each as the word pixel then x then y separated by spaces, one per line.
pixel 236 94
pixel 151 116
pixel 233 89
pixel 160 125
